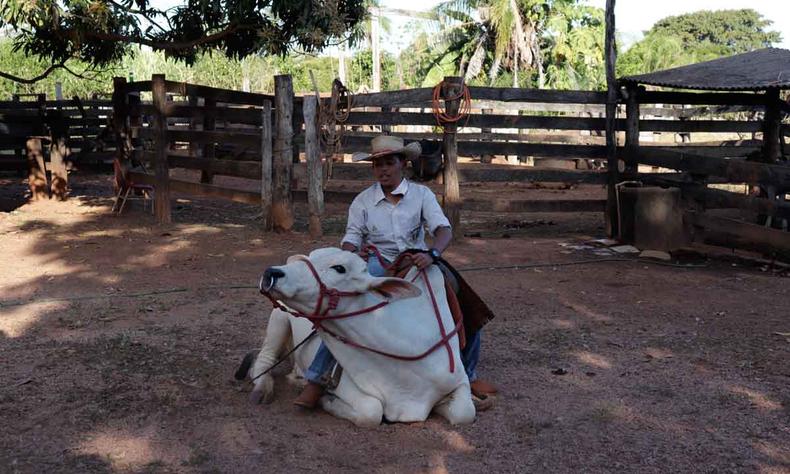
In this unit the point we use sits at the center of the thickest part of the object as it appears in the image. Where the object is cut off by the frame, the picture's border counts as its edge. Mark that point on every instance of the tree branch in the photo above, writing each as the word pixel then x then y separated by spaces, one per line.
pixel 230 29
pixel 45 74
pixel 32 80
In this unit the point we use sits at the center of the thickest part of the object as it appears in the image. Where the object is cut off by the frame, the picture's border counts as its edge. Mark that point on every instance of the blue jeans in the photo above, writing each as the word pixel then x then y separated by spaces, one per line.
pixel 324 361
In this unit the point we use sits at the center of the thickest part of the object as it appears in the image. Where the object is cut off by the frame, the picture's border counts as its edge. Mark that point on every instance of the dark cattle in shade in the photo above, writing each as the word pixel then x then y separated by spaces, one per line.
pixel 429 164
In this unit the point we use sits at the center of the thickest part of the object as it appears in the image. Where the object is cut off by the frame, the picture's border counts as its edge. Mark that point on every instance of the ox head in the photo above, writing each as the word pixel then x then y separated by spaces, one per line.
pixel 295 284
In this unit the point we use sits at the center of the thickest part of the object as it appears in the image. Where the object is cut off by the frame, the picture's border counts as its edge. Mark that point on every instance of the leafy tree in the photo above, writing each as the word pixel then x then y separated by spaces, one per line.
pixel 720 32
pixel 694 37
pixel 101 32
pixel 556 42
pixel 573 46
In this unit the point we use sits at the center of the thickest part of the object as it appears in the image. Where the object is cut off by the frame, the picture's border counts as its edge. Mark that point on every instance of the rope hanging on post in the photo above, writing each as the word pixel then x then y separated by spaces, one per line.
pixel 333 115
pixel 439 112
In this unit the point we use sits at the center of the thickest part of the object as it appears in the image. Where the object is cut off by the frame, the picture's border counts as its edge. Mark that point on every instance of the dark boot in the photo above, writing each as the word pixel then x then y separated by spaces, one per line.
pixel 310 395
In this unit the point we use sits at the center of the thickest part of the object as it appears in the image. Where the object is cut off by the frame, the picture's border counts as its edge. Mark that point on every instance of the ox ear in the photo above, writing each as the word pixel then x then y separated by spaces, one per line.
pixel 294 258
pixel 394 288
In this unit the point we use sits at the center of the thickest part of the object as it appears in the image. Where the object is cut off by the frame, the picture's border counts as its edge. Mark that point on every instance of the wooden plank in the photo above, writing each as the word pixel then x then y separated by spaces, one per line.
pixel 720 199
pixel 532 149
pixel 733 233
pixel 474 172
pixel 411 97
pixel 251 140
pixel 736 171
pixel 452 89
pixel 570 137
pixel 266 165
pixel 246 115
pixel 138 86
pixel 161 145
pixel 701 98
pixel 475 148
pixel 220 95
pixel 554 122
pixel 282 205
pixel 315 186
pixel 547 205
pixel 537 95
pixel 201 189
pixel 714 151
pixel 479 121
pixel 240 169
pixel 709 126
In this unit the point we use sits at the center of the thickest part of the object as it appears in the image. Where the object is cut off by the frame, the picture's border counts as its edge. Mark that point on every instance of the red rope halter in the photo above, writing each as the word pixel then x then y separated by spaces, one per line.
pixel 333 296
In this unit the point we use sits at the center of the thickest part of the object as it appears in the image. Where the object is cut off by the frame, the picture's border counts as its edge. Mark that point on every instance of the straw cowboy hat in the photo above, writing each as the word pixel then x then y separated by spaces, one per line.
pixel 384 145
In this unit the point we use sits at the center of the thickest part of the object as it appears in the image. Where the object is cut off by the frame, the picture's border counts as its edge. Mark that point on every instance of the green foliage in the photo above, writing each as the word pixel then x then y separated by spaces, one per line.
pixel 554 43
pixel 102 32
pixel 718 33
pixel 573 45
pixel 694 37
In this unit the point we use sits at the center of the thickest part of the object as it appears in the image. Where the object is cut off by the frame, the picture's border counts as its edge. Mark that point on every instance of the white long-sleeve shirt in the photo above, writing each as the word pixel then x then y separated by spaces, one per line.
pixel 393 228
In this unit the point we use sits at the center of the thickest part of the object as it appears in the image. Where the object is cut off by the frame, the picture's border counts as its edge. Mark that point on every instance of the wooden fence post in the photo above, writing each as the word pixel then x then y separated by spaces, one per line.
pixel 282 203
pixel 37 175
pixel 57 156
pixel 772 125
pixel 162 180
pixel 209 123
pixel 194 150
pixel 451 90
pixel 120 113
pixel 631 130
pixel 315 190
pixel 485 157
pixel 610 52
pixel 386 129
pixel 266 165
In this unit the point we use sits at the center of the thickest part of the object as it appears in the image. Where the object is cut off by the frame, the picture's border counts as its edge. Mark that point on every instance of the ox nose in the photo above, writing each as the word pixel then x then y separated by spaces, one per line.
pixel 269 278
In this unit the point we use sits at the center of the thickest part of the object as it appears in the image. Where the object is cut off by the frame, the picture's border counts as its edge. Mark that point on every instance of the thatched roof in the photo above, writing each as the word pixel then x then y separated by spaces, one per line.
pixel 752 71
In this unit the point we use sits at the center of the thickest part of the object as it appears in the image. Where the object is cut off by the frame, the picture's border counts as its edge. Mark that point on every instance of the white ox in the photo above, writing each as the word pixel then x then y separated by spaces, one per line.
pixel 372 386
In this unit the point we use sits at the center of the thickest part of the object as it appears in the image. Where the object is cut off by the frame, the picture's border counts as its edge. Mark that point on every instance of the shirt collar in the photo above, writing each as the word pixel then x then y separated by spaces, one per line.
pixel 402 189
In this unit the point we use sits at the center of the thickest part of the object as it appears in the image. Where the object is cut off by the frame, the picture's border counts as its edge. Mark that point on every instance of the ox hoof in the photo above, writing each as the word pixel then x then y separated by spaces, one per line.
pixel 483 404
pixel 260 396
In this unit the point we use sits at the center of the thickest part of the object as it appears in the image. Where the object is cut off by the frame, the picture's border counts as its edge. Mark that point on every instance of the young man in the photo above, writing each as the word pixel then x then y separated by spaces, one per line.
pixel 392 215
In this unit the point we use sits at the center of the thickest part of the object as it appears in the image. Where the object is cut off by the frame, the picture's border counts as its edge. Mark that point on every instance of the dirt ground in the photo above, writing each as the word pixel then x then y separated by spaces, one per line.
pixel 119 339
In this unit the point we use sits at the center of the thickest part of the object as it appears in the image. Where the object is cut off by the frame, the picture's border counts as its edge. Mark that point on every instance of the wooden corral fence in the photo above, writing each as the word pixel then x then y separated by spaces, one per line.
pixel 761 165
pixel 40 136
pixel 258 136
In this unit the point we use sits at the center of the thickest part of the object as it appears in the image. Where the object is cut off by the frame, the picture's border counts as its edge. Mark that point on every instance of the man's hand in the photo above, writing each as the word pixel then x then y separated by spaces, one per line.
pixel 422 260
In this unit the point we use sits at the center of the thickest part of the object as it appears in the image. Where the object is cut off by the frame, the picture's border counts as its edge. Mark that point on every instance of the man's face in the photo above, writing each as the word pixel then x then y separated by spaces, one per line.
pixel 388 171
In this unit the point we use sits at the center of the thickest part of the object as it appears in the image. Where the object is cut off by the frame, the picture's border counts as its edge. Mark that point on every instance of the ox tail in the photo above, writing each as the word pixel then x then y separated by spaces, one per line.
pixel 246 363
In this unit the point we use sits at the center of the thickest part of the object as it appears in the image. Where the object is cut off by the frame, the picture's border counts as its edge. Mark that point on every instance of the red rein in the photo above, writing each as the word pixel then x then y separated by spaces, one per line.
pixel 333 296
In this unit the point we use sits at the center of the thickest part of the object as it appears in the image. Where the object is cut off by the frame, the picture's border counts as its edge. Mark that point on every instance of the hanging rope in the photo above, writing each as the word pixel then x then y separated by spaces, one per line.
pixel 332 118
pixel 438 105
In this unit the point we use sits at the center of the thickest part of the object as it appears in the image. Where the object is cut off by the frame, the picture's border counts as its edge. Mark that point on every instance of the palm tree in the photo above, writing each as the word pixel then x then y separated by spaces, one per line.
pixel 503 33
pixel 517 35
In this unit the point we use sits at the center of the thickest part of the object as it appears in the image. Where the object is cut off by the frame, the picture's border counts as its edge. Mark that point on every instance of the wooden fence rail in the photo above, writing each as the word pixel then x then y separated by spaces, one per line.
pixel 225 133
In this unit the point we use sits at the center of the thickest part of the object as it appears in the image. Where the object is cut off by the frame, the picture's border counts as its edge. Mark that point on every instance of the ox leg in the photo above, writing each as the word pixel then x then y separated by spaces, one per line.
pixel 350 403
pixel 278 333
pixel 458 407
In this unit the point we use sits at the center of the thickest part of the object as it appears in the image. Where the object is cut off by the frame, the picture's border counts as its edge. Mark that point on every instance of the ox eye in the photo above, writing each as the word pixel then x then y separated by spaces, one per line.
pixel 339 268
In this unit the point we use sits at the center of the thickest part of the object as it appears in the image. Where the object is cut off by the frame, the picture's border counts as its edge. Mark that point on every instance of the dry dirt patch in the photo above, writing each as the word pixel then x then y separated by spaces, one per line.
pixel 663 368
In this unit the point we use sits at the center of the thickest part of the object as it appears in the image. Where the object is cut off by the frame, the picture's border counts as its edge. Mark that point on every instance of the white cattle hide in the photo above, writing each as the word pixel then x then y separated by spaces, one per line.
pixel 372 385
